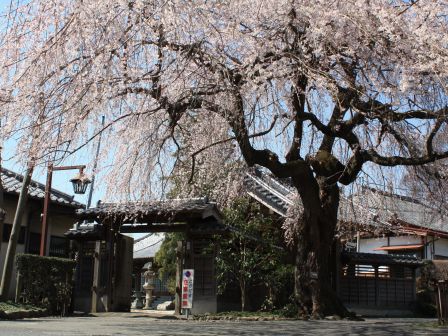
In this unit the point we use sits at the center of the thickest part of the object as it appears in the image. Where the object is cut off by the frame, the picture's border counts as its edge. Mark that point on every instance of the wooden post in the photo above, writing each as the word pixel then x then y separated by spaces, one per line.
pixel 68 281
pixel 79 268
pixel 414 294
pixel 440 305
pixel 44 229
pixel 18 287
pixel 96 277
pixel 376 285
pixel 179 260
pixel 110 283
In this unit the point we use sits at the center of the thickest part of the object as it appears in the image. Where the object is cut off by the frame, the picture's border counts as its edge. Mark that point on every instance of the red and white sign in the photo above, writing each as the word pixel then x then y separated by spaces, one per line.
pixel 187 288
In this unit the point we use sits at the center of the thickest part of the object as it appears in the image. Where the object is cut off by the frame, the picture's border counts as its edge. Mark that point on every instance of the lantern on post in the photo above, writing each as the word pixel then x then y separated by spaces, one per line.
pixel 80 183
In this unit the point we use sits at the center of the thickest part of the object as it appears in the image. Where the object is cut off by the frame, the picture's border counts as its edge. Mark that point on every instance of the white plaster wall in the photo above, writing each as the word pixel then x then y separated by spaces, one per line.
pixel 368 245
pixel 60 224
pixel 57 224
pixel 441 247
pixel 405 240
pixel 10 207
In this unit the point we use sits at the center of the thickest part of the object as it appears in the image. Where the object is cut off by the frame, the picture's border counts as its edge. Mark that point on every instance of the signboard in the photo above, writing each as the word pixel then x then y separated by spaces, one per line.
pixel 187 288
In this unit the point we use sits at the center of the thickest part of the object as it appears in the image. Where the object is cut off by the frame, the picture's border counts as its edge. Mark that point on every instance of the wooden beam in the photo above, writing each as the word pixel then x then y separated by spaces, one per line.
pixel 153 228
pixel 179 262
pixel 96 277
pixel 111 272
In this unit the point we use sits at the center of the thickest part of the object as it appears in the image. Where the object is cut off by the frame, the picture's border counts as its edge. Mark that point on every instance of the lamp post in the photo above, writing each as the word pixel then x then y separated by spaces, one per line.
pixel 80 183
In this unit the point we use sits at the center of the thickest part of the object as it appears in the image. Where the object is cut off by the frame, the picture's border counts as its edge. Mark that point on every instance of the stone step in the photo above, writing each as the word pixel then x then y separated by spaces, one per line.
pixel 162 300
pixel 167 305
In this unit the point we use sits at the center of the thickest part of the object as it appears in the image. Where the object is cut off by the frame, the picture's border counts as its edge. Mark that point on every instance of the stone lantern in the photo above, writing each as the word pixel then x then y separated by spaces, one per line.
pixel 138 301
pixel 148 286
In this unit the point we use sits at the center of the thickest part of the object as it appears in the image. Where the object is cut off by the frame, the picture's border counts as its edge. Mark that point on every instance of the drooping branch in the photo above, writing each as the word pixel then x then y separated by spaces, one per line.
pixel 220 142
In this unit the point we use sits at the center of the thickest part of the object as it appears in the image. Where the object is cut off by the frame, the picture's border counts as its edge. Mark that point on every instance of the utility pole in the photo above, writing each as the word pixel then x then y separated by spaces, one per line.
pixel 11 251
pixel 95 164
pixel 2 203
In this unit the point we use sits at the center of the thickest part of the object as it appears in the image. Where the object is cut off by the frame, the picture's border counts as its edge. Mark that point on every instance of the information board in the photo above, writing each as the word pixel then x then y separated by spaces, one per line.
pixel 187 288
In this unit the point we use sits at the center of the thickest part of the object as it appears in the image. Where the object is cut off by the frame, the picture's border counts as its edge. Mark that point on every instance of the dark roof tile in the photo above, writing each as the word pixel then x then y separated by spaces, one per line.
pixel 164 209
pixel 12 183
pixel 380 259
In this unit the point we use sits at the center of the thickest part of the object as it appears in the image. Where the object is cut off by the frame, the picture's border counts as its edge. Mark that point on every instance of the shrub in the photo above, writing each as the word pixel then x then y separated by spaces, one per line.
pixel 45 281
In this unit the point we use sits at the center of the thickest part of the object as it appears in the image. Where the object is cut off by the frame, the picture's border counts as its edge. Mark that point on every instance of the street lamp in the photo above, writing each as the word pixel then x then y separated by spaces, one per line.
pixel 80 183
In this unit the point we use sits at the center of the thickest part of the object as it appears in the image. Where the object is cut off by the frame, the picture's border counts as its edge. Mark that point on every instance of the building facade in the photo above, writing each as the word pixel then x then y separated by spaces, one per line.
pixel 61 218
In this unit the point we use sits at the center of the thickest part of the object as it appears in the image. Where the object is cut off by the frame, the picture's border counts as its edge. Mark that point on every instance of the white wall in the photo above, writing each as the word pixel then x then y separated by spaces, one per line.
pixel 368 245
pixel 441 247
pixel 405 240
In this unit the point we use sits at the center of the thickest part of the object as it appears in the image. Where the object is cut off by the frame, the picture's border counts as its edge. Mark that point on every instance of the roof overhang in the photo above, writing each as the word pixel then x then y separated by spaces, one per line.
pixel 406 227
pixel 197 216
pixel 399 247
pixel 160 212
pixel 361 258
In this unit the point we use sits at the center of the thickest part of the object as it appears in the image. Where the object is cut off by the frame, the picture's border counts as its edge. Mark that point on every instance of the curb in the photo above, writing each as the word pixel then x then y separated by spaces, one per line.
pixel 21 314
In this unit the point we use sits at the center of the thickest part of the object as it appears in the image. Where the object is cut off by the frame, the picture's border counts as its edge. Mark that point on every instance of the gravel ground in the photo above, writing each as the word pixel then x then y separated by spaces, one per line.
pixel 140 324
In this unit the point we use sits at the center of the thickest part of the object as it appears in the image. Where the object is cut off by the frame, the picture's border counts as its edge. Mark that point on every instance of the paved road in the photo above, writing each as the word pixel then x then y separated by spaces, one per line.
pixel 134 324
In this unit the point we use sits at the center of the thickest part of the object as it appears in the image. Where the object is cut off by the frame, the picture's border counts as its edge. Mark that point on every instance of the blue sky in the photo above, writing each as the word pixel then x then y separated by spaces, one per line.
pixel 60 178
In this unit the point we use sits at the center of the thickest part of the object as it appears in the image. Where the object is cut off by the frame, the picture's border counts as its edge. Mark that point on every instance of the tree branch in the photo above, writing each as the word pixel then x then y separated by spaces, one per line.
pixel 372 155
pixel 193 156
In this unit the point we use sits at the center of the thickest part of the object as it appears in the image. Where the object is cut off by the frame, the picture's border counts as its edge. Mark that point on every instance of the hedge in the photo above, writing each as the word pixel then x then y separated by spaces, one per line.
pixel 45 281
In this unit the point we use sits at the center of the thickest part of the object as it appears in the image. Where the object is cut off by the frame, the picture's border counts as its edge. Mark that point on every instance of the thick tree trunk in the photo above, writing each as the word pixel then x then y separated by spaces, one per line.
pixel 314 285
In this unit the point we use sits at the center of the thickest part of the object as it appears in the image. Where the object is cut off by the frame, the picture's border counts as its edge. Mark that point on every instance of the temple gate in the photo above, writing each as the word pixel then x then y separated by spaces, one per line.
pixel 103 277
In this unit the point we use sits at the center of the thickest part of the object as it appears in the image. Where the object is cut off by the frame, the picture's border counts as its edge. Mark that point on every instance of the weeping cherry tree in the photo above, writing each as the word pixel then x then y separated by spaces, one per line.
pixel 315 91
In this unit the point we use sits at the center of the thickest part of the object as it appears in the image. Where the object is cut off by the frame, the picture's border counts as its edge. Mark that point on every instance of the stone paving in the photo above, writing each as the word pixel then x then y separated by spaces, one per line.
pixel 140 324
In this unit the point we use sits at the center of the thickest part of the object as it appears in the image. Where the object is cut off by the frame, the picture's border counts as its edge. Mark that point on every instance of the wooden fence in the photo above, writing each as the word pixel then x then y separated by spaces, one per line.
pixel 377 286
pixel 442 301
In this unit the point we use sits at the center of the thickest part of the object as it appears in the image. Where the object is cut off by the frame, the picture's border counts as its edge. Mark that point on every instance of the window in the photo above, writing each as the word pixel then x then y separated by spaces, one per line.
pixel 58 247
pixel 7 228
pixel 34 243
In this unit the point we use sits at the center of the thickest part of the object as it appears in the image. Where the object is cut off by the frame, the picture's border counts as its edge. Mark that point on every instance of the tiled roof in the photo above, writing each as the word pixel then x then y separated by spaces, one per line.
pixel 86 231
pixel 170 210
pixel 12 183
pixel 380 259
pixel 147 246
pixel 370 207
pixel 272 193
pixel 386 207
